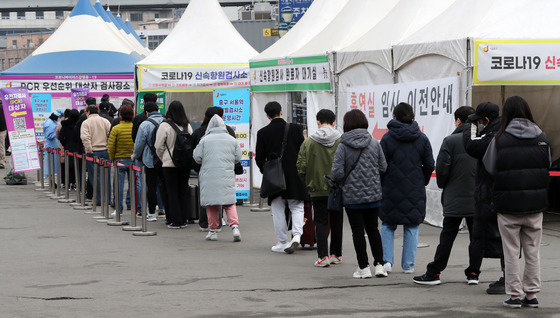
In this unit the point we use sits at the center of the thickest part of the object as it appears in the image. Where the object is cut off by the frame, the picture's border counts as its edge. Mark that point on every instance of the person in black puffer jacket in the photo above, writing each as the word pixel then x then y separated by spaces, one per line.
pixel 486 241
pixel 519 159
pixel 410 163
pixel 70 141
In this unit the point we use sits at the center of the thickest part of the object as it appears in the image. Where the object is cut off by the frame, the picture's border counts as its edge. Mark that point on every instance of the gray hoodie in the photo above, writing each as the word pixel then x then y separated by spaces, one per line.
pixel 521 128
pixel 326 136
pixel 363 184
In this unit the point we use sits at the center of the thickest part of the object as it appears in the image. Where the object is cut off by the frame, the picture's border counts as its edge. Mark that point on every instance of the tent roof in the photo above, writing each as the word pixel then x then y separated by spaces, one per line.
pixel 81 45
pixel 319 15
pixel 446 34
pixel 357 17
pixel 404 19
pixel 204 35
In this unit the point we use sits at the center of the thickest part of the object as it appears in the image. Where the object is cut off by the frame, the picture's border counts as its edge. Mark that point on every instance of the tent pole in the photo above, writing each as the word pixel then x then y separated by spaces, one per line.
pixel 469 78
pixel 336 88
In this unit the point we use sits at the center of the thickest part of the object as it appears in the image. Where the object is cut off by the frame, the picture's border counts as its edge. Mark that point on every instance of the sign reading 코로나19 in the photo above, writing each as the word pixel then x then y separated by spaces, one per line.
pixel 21 129
pixel 296 74
pixel 236 105
pixel 160 101
pixel 41 105
pixel 184 78
pixel 78 97
pixel 433 102
pixel 517 62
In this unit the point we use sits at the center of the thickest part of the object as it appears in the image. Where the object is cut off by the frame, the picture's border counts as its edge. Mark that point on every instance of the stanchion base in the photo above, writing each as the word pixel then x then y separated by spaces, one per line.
pixel 102 220
pixel 57 197
pixel 40 189
pixel 132 228
pixel 147 233
pixel 75 204
pixel 260 210
pixel 66 200
pixel 115 223
pixel 91 212
pixel 99 217
pixel 82 208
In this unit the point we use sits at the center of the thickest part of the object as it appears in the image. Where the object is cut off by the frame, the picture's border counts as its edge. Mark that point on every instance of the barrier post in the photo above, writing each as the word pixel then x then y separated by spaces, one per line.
pixel 58 194
pixel 144 231
pixel 132 185
pixel 49 173
pixel 118 199
pixel 251 203
pixel 41 172
pixel 53 172
pixel 83 206
pixel 94 187
pixel 261 207
pixel 102 192
pixel 77 177
pixel 66 180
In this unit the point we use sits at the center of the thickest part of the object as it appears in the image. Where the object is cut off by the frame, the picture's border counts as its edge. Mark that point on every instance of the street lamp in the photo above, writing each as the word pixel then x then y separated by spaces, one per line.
pixel 287 14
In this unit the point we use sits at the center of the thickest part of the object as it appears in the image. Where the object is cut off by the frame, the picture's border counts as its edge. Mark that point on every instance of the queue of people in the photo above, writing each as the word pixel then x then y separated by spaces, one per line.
pixel 493 171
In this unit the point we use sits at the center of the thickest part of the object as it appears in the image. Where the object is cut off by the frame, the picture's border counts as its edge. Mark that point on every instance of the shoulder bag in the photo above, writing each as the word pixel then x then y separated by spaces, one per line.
pixel 335 201
pixel 274 181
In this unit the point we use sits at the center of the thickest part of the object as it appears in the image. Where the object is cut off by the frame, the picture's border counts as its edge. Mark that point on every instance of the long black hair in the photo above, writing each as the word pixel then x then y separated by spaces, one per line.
pixel 176 113
pixel 514 107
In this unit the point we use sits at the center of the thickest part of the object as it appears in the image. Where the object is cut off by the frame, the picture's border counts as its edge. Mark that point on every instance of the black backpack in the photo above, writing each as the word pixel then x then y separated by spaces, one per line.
pixel 152 142
pixel 182 151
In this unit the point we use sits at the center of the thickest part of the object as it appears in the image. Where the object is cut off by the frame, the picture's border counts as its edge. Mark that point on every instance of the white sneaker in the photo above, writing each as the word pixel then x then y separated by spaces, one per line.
pixel 380 271
pixel 322 262
pixel 362 273
pixel 293 245
pixel 212 236
pixel 388 267
pixel 279 247
pixel 335 259
pixel 236 234
pixel 151 217
pixel 113 214
pixel 409 271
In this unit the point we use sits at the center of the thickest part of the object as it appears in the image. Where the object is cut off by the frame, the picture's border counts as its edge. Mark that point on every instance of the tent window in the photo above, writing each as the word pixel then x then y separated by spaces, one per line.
pixel 59 14
pixel 14 44
pixel 40 15
pixel 5 15
pixel 136 17
pixel 21 15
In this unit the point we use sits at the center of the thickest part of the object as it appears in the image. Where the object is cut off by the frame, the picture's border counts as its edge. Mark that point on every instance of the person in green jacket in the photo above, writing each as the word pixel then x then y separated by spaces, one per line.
pixel 314 162
pixel 121 148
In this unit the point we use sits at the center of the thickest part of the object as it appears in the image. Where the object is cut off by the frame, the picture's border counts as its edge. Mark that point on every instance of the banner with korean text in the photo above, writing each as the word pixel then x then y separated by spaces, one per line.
pixel 116 85
pixel 41 105
pixel 310 73
pixel 433 101
pixel 21 128
pixel 517 62
pixel 185 78
pixel 236 105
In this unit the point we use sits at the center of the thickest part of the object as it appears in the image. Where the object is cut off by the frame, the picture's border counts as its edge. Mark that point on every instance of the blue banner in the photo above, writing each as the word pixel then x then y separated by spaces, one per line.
pixel 299 7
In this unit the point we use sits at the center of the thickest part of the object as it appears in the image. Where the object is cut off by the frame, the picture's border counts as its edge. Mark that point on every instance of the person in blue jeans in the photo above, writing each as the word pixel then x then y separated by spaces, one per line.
pixel 410 163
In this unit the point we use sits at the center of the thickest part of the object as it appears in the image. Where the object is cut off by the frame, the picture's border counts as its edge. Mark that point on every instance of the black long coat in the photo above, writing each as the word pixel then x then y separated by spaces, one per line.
pixel 67 136
pixel 485 223
pixel 269 145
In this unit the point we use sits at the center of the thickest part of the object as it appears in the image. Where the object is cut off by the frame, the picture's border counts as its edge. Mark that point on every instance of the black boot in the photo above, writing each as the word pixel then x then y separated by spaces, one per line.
pixel 497 288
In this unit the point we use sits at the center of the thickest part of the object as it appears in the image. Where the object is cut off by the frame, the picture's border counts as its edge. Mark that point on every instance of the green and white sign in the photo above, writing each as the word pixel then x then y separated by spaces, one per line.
pixel 310 73
pixel 160 101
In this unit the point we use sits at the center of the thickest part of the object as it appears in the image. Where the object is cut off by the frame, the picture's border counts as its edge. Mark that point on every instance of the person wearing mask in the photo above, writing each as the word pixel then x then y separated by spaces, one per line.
pixel 357 167
pixel 121 148
pixel 176 178
pixel 268 147
pixel 485 238
pixel 315 161
pixel 196 137
pixel 70 141
pixel 519 159
pixel 3 135
pixel 49 131
pixel 140 118
pixel 217 153
pixel 145 152
pixel 410 163
pixel 455 175
pixel 95 133
pixel 105 104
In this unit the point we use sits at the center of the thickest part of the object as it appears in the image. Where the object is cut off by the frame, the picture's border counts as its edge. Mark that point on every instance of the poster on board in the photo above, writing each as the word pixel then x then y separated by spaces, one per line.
pixel 79 96
pixel 41 105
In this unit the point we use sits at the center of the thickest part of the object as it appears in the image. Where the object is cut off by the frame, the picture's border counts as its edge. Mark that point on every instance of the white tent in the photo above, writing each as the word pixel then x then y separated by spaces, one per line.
pixel 204 51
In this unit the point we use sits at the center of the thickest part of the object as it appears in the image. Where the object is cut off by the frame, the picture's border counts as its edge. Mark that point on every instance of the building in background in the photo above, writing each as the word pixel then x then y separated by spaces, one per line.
pixel 17 46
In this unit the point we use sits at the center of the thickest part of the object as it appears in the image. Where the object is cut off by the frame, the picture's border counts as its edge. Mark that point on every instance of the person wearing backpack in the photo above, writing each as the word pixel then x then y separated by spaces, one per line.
pixel 217 153
pixel 144 151
pixel 174 148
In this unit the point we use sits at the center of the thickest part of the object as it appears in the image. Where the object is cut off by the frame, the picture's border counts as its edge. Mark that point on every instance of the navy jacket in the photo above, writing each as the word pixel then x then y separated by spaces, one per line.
pixel 410 163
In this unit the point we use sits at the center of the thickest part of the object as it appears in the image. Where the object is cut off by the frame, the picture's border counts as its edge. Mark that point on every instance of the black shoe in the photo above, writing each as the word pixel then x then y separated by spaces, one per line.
pixel 427 279
pixel 128 208
pixel 472 279
pixel 497 288
pixel 2 166
pixel 533 303
pixel 512 303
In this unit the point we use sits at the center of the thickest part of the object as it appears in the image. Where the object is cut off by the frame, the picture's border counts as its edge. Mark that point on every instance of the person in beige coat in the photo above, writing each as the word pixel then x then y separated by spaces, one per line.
pixel 176 179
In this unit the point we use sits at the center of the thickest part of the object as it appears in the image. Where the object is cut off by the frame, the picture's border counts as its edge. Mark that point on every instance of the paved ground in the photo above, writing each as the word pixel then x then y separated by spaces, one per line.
pixel 57 262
